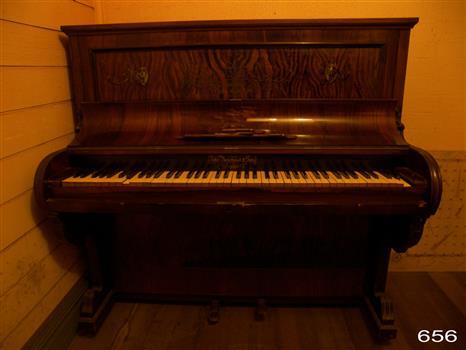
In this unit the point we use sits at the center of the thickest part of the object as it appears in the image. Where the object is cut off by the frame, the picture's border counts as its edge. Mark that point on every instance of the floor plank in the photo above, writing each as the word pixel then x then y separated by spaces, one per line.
pixel 422 300
pixel 455 291
pixel 421 304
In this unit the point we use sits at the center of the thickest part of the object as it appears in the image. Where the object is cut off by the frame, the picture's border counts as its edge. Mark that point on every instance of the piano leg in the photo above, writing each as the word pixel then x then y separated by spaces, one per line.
pixel 379 307
pixel 92 234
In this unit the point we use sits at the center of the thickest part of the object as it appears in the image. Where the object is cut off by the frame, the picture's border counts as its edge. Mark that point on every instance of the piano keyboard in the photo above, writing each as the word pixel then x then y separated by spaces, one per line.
pixel 298 174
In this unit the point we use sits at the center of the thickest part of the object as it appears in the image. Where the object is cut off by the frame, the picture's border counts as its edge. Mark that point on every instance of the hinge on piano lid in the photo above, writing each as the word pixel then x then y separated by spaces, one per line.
pixel 399 125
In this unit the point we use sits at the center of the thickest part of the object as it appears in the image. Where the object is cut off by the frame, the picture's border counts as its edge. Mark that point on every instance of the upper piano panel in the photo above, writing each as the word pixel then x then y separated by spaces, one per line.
pixel 240 60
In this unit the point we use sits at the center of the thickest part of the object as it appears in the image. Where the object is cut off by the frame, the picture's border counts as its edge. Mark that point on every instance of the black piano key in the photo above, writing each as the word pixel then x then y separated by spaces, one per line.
pixel 218 173
pixel 349 170
pixel 101 173
pixel 370 171
pixel 293 170
pixel 226 174
pixel 386 173
pixel 86 172
pixel 275 171
pixel 205 172
pixel 321 171
pixel 339 167
pixel 299 168
pixel 313 170
pixel 159 170
pixel 126 170
pixel 334 170
pixel 246 173
pixel 115 169
pixel 97 172
pixel 192 170
pixel 266 171
pixel 144 168
pixel 238 174
pixel 152 169
pixel 254 173
pixel 363 172
pixel 104 173
pixel 199 171
pixel 181 168
pixel 135 168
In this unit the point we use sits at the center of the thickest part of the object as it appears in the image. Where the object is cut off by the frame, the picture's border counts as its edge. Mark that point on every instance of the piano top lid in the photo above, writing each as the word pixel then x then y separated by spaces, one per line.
pixel 308 83
pixel 385 23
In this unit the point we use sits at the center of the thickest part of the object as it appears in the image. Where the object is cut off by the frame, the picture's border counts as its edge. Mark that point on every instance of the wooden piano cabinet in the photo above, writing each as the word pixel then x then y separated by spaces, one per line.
pixel 283 94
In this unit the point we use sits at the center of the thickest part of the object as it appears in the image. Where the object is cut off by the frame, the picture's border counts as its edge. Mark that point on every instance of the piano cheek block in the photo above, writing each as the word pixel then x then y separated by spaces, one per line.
pixel 209 168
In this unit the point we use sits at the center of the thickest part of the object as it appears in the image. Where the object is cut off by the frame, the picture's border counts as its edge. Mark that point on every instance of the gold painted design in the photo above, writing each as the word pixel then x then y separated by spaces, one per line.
pixel 131 76
pixel 332 73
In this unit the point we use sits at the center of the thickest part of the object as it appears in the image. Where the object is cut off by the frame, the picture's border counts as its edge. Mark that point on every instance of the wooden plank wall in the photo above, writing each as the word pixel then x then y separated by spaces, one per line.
pixel 37 266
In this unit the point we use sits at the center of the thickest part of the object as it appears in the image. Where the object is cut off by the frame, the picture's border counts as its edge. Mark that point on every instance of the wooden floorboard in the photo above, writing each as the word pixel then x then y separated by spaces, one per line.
pixel 422 300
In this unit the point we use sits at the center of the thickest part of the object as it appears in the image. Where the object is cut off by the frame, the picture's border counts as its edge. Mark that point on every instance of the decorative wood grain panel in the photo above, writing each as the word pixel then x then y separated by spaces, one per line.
pixel 47 14
pixel 17 171
pixel 19 215
pixel 290 71
pixel 29 86
pixel 19 258
pixel 24 45
pixel 29 127
pixel 39 312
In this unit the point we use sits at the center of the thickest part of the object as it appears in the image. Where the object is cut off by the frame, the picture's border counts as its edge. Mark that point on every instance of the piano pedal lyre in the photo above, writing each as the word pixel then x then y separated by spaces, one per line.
pixel 213 312
pixel 261 310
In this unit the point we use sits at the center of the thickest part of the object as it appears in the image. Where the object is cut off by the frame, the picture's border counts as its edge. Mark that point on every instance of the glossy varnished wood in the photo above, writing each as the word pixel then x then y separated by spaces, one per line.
pixel 240 60
pixel 337 123
pixel 425 301
pixel 330 90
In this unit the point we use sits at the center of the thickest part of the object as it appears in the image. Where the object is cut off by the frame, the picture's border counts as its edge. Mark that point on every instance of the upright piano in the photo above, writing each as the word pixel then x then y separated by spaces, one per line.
pixel 252 162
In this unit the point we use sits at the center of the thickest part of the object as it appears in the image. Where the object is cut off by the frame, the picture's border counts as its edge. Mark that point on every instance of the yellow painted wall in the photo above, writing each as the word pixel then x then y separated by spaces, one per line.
pixel 37 266
pixel 434 106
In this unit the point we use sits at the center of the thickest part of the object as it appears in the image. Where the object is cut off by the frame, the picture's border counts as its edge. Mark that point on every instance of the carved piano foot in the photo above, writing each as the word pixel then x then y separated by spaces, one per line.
pixel 261 309
pixel 95 306
pixel 213 312
pixel 381 315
